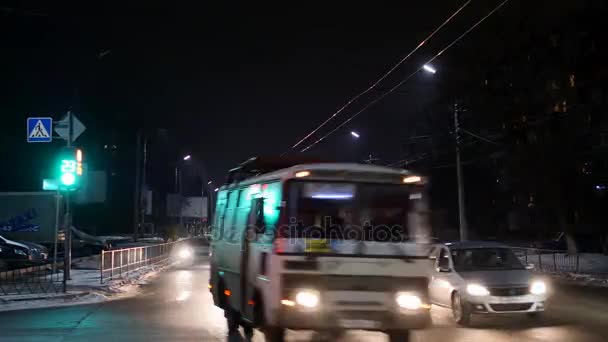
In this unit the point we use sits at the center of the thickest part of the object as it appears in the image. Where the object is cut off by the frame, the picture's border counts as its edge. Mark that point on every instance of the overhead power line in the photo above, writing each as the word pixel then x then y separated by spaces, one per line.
pixel 383 95
pixel 367 90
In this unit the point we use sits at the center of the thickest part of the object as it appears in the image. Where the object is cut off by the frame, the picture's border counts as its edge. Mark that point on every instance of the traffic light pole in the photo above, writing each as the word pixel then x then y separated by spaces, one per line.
pixel 67 250
pixel 67 257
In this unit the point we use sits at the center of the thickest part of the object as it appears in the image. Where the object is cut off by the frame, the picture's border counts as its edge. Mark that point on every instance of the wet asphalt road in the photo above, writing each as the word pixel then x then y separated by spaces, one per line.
pixel 177 306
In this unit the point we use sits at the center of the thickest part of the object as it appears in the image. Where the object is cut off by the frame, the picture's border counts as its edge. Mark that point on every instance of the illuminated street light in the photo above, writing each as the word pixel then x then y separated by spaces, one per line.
pixel 187 157
pixel 217 189
pixel 429 68
pixel 354 134
pixel 209 182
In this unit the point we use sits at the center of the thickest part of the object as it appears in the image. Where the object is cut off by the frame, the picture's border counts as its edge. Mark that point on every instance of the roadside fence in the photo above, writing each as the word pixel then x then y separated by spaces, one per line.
pixel 118 262
pixel 31 279
pixel 547 260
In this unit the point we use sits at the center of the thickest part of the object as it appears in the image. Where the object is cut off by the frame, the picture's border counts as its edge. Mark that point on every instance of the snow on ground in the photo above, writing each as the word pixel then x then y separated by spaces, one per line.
pixel 85 288
pixel 592 267
pixel 72 298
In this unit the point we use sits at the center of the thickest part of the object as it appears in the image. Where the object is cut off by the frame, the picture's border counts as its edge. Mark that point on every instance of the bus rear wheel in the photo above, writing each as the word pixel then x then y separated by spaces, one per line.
pixel 399 336
pixel 274 334
pixel 232 320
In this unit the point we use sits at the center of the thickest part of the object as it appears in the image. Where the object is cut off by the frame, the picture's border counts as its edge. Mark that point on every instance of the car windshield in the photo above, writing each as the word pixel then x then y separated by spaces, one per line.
pixel 480 259
pixel 347 211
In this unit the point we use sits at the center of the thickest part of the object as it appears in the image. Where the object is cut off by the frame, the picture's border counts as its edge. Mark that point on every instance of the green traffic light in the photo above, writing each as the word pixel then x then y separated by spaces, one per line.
pixel 69 169
pixel 68 179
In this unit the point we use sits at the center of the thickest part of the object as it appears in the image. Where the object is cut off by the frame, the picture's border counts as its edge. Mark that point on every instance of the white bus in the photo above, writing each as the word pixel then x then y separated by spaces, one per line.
pixel 325 247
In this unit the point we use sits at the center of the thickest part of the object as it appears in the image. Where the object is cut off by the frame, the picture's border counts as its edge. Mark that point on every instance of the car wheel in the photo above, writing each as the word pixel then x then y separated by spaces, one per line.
pixel 399 336
pixel 461 310
pixel 274 334
pixel 248 332
pixel 534 315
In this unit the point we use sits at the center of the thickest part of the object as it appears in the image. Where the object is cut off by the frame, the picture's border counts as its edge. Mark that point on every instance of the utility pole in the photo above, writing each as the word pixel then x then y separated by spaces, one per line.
pixel 462 220
pixel 137 189
pixel 371 159
pixel 143 188
pixel 181 201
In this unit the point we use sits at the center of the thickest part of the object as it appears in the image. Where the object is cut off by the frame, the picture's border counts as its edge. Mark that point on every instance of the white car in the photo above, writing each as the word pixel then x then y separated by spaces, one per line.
pixel 484 278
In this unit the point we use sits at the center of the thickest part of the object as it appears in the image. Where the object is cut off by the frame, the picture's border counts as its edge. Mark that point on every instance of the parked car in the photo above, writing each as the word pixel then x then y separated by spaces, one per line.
pixel 484 278
pixel 39 253
pixel 13 254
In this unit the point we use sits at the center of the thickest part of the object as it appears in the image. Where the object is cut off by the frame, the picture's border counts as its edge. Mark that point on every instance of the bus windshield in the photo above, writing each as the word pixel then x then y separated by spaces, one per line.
pixel 348 211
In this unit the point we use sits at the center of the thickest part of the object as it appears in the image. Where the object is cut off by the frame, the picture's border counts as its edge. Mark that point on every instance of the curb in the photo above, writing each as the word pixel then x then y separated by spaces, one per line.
pixel 45 297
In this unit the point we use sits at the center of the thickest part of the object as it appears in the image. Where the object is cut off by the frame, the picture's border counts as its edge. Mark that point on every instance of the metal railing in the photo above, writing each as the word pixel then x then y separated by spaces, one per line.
pixel 547 260
pixel 119 262
pixel 30 279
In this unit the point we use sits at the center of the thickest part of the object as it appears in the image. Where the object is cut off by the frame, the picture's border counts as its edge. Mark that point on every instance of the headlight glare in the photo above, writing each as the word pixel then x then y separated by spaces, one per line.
pixel 477 290
pixel 185 253
pixel 408 301
pixel 307 298
pixel 538 287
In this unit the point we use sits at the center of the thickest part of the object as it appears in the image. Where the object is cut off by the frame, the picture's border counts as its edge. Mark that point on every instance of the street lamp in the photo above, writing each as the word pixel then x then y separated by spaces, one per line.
pixel 429 68
pixel 187 157
pixel 355 134
pixel 462 219
pixel 217 189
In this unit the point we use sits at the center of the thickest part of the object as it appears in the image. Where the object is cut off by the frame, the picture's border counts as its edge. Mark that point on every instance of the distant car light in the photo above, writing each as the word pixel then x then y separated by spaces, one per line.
pixel 307 298
pixel 538 287
pixel 185 253
pixel 477 290
pixel 408 301
pixel 288 302
pixel 411 179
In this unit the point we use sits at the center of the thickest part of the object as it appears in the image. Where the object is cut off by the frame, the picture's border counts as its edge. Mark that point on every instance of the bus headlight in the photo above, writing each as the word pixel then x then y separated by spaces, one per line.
pixel 307 298
pixel 477 290
pixel 408 301
pixel 538 287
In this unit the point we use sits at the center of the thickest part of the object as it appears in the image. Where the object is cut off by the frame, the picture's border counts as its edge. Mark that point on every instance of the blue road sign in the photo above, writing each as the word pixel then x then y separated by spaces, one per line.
pixel 39 130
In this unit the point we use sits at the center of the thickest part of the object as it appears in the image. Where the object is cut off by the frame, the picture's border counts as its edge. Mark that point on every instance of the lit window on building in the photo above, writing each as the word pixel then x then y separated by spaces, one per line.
pixel 572 81
pixel 556 107
pixel 587 168
pixel 564 106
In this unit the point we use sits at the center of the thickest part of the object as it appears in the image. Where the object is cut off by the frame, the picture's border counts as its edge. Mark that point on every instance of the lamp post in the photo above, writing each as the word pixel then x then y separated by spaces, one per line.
pixel 462 219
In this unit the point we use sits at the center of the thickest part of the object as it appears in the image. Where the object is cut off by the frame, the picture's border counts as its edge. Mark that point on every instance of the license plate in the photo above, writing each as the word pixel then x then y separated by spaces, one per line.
pixel 358 324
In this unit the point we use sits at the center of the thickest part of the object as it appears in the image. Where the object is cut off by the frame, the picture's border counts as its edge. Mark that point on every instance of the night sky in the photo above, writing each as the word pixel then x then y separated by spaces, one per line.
pixel 227 82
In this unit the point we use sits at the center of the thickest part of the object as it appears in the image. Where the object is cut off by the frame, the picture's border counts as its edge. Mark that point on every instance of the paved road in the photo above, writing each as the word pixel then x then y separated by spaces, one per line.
pixel 177 307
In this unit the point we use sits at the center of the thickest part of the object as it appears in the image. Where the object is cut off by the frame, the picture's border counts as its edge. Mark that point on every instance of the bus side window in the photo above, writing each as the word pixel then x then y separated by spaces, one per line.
pixel 222 227
pixel 220 208
pixel 256 217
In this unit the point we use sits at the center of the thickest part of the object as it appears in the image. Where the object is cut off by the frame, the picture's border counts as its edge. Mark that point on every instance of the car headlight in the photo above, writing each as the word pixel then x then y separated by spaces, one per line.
pixel 307 298
pixel 185 253
pixel 477 290
pixel 538 287
pixel 408 301
pixel 20 252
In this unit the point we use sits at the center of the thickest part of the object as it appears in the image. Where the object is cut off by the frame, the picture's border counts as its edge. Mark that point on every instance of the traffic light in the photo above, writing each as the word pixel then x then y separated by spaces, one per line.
pixel 70 169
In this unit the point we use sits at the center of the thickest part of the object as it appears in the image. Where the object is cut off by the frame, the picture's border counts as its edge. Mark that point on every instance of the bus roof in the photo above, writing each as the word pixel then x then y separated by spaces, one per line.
pixel 326 171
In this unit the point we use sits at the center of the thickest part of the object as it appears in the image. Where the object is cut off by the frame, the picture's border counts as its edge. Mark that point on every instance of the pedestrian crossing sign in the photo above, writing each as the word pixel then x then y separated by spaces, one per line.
pixel 39 130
